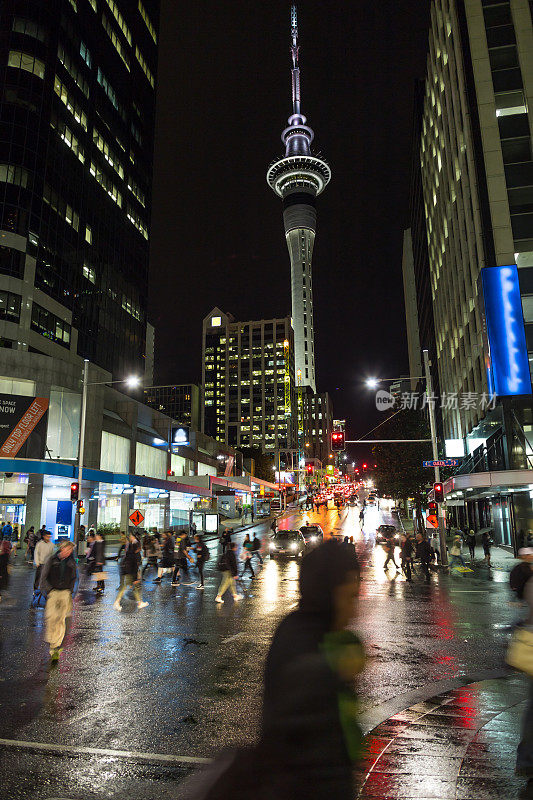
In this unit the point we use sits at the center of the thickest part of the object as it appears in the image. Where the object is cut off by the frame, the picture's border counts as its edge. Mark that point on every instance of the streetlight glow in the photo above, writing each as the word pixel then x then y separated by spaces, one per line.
pixel 371 383
pixel 132 381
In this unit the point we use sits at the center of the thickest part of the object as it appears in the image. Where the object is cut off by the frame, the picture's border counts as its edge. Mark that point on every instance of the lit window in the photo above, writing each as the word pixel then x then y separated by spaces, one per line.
pixel 88 234
pixel 67 136
pixel 147 21
pixel 29 27
pixel 108 154
pixel 144 66
pixel 120 20
pixel 116 41
pixel 27 62
pixel 67 99
pixel 18 176
pixel 508 103
pixel 216 322
pixel 72 70
pixel 85 53
pixel 89 273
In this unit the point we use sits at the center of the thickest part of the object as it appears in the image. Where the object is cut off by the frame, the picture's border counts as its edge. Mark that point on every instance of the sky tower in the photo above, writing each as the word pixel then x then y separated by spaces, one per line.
pixel 298 178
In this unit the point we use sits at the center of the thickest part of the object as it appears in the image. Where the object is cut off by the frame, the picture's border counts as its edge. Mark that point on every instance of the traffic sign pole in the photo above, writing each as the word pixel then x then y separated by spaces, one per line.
pixel 433 429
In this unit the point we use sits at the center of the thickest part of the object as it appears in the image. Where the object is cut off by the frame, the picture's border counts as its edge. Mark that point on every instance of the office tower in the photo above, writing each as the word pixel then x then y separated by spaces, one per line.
pixel 249 383
pixel 298 178
pixel 477 177
pixel 181 402
pixel 77 118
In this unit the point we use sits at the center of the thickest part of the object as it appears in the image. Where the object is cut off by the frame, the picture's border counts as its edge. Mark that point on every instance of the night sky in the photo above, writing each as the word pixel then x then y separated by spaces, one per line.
pixel 217 230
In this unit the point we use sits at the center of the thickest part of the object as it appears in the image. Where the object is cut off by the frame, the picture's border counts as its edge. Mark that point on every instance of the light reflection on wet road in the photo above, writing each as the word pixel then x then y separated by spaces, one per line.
pixel 183 676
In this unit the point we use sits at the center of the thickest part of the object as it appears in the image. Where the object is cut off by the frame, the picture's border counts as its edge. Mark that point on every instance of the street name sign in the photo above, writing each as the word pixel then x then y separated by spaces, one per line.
pixel 446 462
pixel 136 518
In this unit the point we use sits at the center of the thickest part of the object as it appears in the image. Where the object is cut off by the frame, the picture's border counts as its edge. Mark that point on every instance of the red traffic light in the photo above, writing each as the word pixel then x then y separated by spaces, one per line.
pixel 337 440
pixel 309 469
pixel 74 491
pixel 364 466
pixel 438 491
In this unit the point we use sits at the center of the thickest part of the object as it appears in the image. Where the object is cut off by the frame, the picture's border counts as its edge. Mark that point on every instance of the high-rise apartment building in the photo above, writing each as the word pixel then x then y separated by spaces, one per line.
pixel 181 402
pixel 298 178
pixel 77 127
pixel 477 178
pixel 315 424
pixel 249 383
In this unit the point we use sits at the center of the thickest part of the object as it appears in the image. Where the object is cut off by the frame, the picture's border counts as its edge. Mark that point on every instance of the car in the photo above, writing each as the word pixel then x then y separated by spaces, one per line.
pixel 385 532
pixel 289 543
pixel 313 534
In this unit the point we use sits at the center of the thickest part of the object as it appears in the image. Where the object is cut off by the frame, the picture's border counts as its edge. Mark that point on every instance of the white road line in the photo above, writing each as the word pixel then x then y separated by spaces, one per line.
pixel 235 636
pixel 98 751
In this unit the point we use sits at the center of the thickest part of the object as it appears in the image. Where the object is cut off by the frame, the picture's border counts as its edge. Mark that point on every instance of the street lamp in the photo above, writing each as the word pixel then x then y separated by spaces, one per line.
pixel 373 382
pixel 131 381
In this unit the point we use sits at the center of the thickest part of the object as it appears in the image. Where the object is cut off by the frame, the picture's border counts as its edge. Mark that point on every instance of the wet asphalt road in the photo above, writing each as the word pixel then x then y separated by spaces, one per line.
pixel 182 678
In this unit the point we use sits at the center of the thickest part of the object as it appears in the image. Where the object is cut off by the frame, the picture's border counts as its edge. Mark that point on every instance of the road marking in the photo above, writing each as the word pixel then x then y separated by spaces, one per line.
pixel 98 751
pixel 235 636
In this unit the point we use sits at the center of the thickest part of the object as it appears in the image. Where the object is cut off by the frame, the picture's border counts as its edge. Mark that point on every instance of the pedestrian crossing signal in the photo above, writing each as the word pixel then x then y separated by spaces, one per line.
pixel 438 491
pixel 74 491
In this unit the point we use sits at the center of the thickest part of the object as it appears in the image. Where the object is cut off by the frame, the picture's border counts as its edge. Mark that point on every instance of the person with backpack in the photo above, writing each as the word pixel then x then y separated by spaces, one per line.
pixel 129 573
pixel 522 572
pixel 406 556
pixel 471 542
pixel 256 548
pixel 486 543
pixel 227 565
pixel 43 551
pixel 202 555
pixel 58 580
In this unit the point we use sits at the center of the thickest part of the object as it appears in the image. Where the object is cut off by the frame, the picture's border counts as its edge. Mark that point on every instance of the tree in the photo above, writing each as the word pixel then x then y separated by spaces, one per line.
pixel 263 463
pixel 399 472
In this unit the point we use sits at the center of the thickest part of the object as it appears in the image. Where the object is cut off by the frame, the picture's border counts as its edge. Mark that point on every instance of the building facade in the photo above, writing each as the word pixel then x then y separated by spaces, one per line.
pixel 77 127
pixel 181 402
pixel 249 390
pixel 316 425
pixel 477 171
pixel 298 178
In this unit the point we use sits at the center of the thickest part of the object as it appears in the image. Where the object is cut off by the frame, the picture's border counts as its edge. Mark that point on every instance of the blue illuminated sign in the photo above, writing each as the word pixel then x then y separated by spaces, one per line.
pixel 508 363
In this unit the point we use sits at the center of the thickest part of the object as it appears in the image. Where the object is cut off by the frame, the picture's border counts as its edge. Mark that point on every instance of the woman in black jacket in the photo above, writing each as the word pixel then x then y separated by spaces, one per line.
pixel 98 556
pixel 129 573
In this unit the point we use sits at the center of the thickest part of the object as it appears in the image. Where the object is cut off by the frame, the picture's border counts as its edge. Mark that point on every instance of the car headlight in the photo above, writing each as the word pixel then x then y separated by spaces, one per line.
pixel 294 546
pixel 312 539
pixel 272 546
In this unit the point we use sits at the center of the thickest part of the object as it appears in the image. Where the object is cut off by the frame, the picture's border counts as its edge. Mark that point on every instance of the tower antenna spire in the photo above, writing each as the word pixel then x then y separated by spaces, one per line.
pixel 295 72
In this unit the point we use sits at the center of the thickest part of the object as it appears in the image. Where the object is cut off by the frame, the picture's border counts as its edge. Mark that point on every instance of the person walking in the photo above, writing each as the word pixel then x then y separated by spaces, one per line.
pixel 40 532
pixel 524 753
pixel 167 556
pixel 123 542
pixel 152 554
pixel 31 541
pixel 98 553
pixel 228 566
pixel 273 525
pixel 246 556
pixel 406 556
pixel 486 544
pixel 7 531
pixel 181 562
pixel 202 555
pixel 129 573
pixel 471 542
pixel 256 548
pixel 43 550
pixel 58 579
pixel 423 552
pixel 455 553
pixel 5 553
pixel 389 549
pixel 309 694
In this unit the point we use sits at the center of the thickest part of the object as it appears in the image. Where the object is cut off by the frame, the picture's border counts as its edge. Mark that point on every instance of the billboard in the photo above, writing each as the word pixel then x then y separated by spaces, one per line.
pixel 508 365
pixel 23 422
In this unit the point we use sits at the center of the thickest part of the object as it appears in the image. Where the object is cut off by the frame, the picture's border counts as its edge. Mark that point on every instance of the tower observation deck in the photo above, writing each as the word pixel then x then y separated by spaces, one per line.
pixel 298 178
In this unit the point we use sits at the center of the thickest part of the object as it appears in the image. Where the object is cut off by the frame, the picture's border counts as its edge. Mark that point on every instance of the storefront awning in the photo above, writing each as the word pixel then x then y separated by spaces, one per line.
pixel 47 467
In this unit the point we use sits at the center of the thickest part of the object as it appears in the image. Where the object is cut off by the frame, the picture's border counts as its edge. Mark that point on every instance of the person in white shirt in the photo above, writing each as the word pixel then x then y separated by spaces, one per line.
pixel 43 550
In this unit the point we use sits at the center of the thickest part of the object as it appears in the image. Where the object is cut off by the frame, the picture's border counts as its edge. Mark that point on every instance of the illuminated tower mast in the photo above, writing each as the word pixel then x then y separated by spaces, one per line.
pixel 298 178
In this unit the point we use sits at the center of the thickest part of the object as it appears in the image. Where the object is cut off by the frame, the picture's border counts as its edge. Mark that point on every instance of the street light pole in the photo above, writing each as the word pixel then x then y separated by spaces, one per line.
pixel 77 519
pixel 433 429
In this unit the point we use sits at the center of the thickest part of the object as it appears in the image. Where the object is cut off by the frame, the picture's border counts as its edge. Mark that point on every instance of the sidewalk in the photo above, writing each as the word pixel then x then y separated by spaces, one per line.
pixel 459 745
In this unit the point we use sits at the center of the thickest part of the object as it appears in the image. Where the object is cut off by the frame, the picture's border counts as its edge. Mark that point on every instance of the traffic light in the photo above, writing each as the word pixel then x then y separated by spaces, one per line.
pixel 337 440
pixel 432 508
pixel 74 491
pixel 364 466
pixel 309 469
pixel 438 490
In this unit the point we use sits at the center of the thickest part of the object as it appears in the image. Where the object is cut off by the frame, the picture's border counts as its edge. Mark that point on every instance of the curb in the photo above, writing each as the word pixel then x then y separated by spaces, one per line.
pixel 377 715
